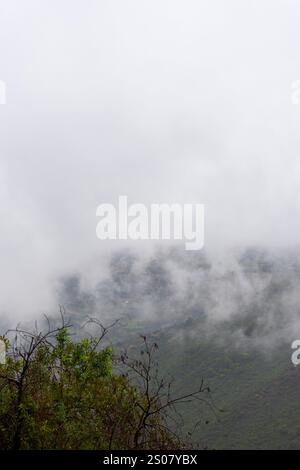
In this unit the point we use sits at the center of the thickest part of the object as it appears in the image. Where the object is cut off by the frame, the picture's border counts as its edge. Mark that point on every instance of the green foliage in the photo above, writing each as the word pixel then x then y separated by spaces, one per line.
pixel 82 358
pixel 57 393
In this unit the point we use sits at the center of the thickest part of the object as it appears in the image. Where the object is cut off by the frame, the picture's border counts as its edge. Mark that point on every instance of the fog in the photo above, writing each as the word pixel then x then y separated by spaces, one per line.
pixel 163 101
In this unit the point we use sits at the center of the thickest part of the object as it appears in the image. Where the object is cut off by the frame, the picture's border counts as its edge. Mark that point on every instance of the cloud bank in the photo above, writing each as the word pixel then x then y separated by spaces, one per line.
pixel 163 101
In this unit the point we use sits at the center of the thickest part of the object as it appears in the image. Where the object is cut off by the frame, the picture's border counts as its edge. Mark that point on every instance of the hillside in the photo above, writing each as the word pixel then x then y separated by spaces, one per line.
pixel 257 392
pixel 230 322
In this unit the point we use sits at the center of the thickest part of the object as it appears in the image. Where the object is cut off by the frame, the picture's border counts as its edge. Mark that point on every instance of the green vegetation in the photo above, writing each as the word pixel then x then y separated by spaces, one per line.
pixel 61 393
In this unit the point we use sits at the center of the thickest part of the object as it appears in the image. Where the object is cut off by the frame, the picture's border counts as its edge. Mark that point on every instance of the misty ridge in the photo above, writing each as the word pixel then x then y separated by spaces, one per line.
pixel 159 103
pixel 248 298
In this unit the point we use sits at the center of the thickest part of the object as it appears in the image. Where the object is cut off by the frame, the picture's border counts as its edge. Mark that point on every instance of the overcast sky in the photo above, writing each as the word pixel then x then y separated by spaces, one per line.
pixel 160 100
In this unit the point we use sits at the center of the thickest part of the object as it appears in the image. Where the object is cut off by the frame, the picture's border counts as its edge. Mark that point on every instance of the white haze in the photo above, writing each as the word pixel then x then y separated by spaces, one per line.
pixel 161 100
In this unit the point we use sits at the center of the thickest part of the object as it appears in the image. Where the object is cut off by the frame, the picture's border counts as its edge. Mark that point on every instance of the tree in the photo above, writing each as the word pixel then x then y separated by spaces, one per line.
pixel 62 393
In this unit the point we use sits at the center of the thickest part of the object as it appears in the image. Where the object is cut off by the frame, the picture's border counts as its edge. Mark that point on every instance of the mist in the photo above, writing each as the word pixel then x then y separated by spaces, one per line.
pixel 162 101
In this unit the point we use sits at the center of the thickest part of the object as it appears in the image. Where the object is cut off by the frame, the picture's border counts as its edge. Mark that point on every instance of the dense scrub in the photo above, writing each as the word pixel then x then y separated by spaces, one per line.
pixel 60 393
